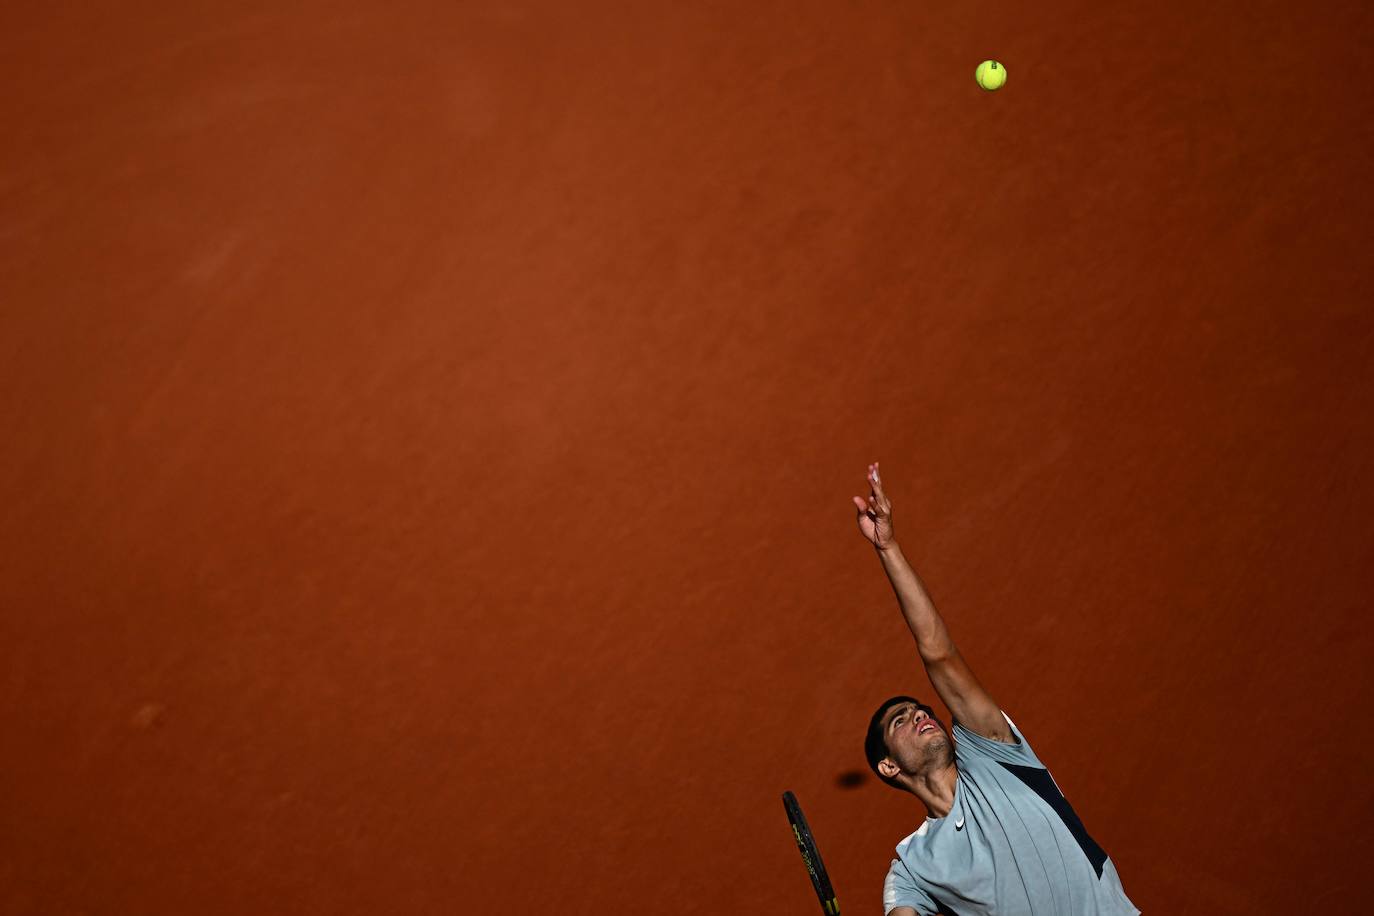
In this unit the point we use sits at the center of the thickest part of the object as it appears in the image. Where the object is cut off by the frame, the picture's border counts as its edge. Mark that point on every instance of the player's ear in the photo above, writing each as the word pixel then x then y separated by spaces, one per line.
pixel 888 768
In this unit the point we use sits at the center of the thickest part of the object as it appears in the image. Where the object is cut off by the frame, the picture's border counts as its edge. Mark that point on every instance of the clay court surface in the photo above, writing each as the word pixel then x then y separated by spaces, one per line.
pixel 430 429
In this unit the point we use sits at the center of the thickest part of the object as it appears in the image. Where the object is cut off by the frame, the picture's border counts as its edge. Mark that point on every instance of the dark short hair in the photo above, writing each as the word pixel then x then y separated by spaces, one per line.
pixel 875 743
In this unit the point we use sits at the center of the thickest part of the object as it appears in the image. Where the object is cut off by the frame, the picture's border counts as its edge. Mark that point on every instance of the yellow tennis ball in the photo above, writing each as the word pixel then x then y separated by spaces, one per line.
pixel 990 75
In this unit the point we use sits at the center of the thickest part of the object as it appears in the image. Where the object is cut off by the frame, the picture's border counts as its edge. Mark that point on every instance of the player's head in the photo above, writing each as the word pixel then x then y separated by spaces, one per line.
pixel 896 743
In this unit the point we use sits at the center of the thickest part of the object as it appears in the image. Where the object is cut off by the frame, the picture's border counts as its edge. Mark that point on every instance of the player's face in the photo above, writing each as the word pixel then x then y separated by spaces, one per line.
pixel 913 735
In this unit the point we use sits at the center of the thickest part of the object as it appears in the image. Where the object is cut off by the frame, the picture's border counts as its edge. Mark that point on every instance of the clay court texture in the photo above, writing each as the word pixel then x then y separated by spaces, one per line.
pixel 430 432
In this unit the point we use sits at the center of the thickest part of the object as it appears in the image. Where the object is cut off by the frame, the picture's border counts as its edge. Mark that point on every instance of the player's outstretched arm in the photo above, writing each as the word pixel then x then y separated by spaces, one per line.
pixel 949 674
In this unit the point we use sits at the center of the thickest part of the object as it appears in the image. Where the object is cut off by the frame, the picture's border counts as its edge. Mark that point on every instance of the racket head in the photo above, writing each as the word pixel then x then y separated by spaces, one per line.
pixel 811 856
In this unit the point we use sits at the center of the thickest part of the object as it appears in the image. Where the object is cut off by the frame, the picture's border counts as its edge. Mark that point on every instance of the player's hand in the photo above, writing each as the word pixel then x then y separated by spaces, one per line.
pixel 875 513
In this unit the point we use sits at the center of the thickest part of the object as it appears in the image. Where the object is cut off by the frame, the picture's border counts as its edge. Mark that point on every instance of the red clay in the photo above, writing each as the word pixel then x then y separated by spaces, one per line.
pixel 430 433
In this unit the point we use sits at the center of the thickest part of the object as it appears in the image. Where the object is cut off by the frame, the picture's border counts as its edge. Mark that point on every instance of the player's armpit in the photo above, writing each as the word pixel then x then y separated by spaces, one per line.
pixel 969 703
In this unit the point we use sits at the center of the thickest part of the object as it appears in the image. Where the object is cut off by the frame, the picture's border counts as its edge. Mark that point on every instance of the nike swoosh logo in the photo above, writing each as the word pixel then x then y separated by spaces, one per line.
pixel 960 825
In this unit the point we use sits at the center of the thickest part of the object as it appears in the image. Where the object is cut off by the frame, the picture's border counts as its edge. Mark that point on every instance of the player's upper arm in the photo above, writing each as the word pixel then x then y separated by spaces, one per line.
pixel 902 911
pixel 957 686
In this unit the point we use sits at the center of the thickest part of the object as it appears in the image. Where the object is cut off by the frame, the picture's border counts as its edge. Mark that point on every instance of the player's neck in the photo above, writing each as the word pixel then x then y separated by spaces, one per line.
pixel 935 789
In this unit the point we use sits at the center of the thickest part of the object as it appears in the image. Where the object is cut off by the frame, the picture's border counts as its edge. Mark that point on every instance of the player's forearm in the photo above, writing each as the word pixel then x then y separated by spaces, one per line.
pixel 927 626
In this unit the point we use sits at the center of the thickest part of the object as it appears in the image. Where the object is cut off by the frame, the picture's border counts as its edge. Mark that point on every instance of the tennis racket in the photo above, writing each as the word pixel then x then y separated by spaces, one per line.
pixel 811 856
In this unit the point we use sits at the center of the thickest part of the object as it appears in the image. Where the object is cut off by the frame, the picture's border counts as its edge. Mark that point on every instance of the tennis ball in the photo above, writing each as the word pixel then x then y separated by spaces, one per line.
pixel 990 75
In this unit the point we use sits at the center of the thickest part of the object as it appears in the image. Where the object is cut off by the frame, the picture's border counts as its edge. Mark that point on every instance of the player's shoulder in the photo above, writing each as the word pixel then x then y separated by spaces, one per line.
pixel 971 746
pixel 901 888
pixel 1002 730
pixel 997 728
pixel 907 844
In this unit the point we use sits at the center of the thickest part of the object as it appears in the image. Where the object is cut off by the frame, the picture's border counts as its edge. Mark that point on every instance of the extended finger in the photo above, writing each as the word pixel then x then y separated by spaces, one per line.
pixel 876 481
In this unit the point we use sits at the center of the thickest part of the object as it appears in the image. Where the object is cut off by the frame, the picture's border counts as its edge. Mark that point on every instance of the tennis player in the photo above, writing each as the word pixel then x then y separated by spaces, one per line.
pixel 999 836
